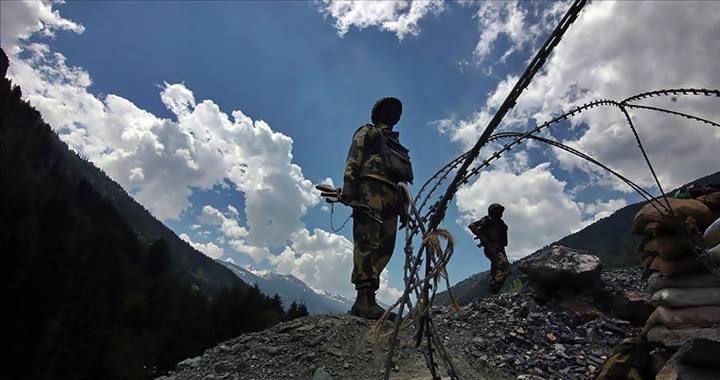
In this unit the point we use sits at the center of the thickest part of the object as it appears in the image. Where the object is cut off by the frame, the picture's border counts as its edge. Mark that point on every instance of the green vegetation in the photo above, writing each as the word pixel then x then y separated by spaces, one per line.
pixel 93 286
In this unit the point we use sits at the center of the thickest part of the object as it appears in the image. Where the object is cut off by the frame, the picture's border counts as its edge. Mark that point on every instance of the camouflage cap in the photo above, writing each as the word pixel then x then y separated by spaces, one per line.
pixel 387 110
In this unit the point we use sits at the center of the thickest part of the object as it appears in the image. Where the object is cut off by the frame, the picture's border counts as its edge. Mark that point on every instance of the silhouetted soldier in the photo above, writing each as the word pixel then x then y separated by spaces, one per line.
pixel 492 232
pixel 375 165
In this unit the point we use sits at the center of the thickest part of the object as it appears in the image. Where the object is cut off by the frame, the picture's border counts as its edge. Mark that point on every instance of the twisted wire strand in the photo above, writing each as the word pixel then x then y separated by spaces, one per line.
pixel 580 109
pixel 645 156
pixel 442 174
pixel 672 112
pixel 637 188
pixel 673 92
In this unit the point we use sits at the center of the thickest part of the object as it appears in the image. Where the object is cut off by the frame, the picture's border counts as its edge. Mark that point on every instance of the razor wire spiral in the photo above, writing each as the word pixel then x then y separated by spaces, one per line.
pixel 418 225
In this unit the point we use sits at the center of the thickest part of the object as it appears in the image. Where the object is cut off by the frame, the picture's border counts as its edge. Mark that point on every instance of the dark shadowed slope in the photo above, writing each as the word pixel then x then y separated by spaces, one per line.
pixel 93 287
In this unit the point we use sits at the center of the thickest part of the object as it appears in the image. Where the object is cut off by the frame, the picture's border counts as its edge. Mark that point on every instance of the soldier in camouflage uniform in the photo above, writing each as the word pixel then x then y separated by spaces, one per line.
pixel 492 232
pixel 375 165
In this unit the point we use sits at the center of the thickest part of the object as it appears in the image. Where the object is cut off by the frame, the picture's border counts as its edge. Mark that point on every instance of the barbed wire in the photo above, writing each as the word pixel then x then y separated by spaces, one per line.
pixel 436 263
pixel 436 258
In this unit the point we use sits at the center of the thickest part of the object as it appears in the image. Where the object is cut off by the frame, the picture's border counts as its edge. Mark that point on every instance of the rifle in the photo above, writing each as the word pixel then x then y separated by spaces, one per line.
pixel 334 195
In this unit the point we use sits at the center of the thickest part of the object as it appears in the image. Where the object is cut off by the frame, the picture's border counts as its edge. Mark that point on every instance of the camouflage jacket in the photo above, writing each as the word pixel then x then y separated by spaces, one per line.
pixel 490 230
pixel 367 158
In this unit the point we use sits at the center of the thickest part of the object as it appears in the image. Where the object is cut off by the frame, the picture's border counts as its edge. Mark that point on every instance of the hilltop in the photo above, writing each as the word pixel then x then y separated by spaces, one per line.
pixel 499 337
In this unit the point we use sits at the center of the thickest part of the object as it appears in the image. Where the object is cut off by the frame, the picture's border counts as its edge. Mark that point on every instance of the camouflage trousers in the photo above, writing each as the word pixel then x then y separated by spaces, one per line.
pixel 499 265
pixel 374 242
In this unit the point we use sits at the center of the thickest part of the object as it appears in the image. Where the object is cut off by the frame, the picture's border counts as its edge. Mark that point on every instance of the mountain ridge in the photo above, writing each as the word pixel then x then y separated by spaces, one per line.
pixel 292 289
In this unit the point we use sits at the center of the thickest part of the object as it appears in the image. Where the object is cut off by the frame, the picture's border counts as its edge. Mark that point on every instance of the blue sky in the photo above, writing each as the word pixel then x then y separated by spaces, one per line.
pixel 312 70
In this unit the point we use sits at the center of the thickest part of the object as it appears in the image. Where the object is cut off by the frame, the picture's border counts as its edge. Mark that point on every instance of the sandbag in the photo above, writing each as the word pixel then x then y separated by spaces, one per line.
pixel 655 229
pixel 712 234
pixel 687 318
pixel 657 281
pixel 687 297
pixel 714 254
pixel 669 246
pixel 683 266
pixel 675 338
pixel 683 208
pixel 696 360
pixel 712 200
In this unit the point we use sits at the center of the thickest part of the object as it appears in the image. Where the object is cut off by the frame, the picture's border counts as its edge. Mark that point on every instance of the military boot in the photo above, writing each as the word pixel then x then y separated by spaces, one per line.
pixel 365 306
pixel 391 315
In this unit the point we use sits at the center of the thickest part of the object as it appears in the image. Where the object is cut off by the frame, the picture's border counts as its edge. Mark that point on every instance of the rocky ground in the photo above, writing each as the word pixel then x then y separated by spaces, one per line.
pixel 508 336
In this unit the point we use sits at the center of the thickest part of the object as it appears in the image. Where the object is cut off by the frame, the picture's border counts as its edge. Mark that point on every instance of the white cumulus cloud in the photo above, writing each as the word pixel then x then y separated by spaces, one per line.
pixel 21 19
pixel 614 50
pixel 399 17
pixel 200 148
pixel 324 260
pixel 229 225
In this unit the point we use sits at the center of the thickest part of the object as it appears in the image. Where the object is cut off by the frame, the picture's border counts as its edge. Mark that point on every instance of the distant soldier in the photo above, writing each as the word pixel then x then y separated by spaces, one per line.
pixel 492 233
pixel 375 165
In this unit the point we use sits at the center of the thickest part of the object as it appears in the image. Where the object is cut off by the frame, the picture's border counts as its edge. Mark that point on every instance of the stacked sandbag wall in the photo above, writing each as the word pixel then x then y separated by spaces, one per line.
pixel 684 290
pixel 681 338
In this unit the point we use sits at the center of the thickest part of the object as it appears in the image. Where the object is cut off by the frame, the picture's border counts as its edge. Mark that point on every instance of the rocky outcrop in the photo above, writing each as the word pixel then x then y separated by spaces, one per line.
pixel 508 336
pixel 319 348
pixel 573 280
pixel 559 267
pixel 531 340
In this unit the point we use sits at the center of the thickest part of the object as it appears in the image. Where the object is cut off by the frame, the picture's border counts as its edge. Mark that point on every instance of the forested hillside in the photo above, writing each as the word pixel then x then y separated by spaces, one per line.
pixel 93 287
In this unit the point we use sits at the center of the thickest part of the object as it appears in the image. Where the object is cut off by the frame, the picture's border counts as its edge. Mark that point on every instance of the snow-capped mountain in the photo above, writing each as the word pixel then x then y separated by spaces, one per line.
pixel 291 289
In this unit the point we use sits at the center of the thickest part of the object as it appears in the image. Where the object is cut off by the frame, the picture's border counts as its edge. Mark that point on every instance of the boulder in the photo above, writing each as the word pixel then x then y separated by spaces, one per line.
pixel 686 318
pixel 686 297
pixel 321 374
pixel 563 268
pixel 675 338
pixel 658 281
pixel 190 362
pixel 682 208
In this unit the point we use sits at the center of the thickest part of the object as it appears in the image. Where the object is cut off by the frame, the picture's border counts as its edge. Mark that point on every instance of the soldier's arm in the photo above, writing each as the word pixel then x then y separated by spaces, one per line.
pixel 353 165
pixel 474 228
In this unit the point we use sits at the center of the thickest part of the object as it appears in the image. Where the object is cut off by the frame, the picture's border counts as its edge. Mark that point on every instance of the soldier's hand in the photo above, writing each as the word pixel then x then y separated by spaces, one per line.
pixel 403 222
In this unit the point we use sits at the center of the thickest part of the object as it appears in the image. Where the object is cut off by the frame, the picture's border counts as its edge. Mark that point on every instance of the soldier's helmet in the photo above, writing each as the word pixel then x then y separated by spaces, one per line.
pixel 495 209
pixel 387 111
